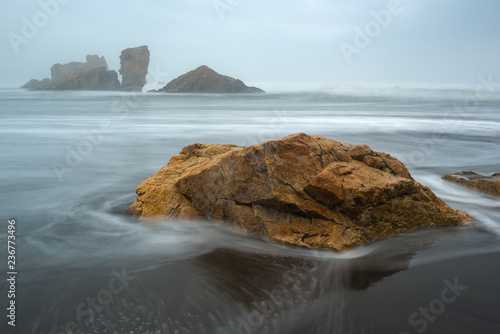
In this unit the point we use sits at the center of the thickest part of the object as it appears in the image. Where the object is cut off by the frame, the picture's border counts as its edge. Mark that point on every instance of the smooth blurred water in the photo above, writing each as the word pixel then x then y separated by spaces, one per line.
pixel 70 163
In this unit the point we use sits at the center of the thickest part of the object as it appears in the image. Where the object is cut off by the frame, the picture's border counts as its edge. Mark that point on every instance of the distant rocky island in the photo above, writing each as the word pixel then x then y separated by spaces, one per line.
pixel 205 80
pixel 95 75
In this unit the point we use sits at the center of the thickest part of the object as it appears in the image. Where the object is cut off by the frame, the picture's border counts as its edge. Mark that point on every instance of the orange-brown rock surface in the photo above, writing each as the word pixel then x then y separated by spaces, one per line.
pixel 486 184
pixel 300 190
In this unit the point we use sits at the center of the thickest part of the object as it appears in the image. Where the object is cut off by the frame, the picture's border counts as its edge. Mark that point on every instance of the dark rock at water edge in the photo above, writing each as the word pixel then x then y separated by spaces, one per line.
pixel 485 184
pixel 205 80
pixel 134 68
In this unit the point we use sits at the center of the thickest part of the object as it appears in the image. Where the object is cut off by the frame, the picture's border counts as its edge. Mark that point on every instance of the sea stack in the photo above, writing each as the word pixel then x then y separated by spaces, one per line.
pixel 205 80
pixel 134 68
pixel 300 190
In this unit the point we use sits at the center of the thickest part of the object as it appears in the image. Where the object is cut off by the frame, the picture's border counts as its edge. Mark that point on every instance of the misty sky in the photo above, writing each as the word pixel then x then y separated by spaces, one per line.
pixel 422 41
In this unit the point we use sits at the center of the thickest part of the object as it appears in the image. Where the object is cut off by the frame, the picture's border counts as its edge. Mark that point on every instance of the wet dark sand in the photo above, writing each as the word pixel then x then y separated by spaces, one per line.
pixel 386 306
pixel 260 291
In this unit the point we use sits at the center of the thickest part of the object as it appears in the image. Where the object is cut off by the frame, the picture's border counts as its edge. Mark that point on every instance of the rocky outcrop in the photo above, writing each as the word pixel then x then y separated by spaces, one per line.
pixel 300 190
pixel 91 75
pixel 134 68
pixel 486 184
pixel 95 79
pixel 205 80
pixel 59 71
pixel 36 84
pixel 94 73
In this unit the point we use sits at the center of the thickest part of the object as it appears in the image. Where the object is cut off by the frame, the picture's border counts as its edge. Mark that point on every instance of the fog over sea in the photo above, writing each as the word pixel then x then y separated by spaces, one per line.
pixel 71 161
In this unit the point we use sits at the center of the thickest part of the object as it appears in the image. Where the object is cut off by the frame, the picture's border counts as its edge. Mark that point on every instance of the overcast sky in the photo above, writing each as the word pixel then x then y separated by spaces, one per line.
pixel 323 41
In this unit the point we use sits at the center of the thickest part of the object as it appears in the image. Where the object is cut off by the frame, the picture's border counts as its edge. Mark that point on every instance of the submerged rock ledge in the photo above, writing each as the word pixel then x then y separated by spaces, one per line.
pixel 300 190
pixel 469 179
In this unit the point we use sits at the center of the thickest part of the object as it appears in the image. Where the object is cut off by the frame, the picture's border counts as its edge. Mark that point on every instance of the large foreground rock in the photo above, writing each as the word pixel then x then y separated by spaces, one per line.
pixel 134 68
pixel 486 184
pixel 300 190
pixel 95 79
pixel 205 80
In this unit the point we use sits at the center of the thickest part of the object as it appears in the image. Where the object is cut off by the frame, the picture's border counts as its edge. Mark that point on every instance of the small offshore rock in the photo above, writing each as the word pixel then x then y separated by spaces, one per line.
pixel 205 80
pixel 469 179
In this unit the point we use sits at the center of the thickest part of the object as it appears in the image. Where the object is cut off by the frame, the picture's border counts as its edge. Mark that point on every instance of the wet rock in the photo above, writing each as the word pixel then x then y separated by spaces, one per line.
pixel 205 80
pixel 486 184
pixel 300 190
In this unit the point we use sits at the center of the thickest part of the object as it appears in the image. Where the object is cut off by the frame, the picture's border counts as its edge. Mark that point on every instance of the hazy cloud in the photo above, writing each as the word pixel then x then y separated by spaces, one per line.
pixel 261 41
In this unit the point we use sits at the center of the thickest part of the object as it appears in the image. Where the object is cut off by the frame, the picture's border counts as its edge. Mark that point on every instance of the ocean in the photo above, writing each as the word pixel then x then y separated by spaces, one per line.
pixel 71 161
